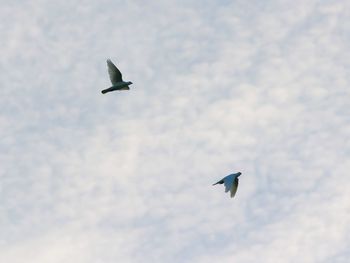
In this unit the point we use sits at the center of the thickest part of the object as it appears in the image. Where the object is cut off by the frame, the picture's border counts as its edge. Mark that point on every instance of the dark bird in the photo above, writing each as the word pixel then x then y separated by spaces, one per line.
pixel 116 78
pixel 230 182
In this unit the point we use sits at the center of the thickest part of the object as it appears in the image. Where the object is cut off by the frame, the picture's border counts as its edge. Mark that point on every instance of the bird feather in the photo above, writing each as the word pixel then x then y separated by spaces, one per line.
pixel 114 74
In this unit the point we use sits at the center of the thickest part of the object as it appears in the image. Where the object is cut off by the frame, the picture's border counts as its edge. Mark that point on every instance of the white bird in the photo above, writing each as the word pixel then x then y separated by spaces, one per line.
pixel 116 78
pixel 230 182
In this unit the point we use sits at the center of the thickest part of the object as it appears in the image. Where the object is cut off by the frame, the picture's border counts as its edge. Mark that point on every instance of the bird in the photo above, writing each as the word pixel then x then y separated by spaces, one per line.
pixel 116 78
pixel 230 182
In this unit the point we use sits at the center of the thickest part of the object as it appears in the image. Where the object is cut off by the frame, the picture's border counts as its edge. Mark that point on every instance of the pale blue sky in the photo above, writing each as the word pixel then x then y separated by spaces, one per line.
pixel 261 88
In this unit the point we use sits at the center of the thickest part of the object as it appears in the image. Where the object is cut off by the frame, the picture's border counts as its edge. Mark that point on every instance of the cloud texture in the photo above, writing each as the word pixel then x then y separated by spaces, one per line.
pixel 260 87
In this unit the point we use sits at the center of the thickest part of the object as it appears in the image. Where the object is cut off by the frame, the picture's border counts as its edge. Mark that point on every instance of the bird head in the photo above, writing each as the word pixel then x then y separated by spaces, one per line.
pixel 238 174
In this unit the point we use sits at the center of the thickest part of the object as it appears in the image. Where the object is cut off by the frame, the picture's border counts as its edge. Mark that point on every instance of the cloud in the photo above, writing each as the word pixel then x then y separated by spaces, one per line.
pixel 260 88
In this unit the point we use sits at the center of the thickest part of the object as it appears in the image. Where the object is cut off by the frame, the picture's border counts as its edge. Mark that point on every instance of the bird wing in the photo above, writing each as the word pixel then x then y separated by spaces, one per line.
pixel 228 182
pixel 114 74
pixel 234 187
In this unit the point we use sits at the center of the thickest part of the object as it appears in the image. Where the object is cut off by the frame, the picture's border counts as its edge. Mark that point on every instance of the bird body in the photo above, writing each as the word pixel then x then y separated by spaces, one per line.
pixel 230 182
pixel 116 78
pixel 119 86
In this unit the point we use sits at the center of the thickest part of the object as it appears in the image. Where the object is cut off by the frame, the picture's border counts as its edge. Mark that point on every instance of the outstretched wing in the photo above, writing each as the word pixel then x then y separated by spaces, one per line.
pixel 114 74
pixel 234 187
pixel 228 182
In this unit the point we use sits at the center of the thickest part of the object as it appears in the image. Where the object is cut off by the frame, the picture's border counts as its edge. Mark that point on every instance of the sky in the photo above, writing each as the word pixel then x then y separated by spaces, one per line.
pixel 260 87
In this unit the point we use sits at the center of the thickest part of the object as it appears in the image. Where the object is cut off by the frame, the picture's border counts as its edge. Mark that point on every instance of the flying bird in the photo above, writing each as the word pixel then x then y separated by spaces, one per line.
pixel 116 78
pixel 230 182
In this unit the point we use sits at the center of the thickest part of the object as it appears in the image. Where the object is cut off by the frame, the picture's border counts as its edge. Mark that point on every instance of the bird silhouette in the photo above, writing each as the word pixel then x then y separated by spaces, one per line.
pixel 116 78
pixel 230 182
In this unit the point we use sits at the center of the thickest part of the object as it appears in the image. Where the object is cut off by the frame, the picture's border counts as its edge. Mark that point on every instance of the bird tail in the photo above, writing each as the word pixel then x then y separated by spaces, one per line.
pixel 107 90
pixel 220 182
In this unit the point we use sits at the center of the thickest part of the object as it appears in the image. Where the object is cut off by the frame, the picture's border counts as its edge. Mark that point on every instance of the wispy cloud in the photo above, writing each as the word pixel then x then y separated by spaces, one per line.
pixel 257 87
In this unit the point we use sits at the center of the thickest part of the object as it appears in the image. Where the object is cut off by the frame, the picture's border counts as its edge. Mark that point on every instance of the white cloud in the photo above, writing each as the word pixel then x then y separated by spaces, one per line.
pixel 255 87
